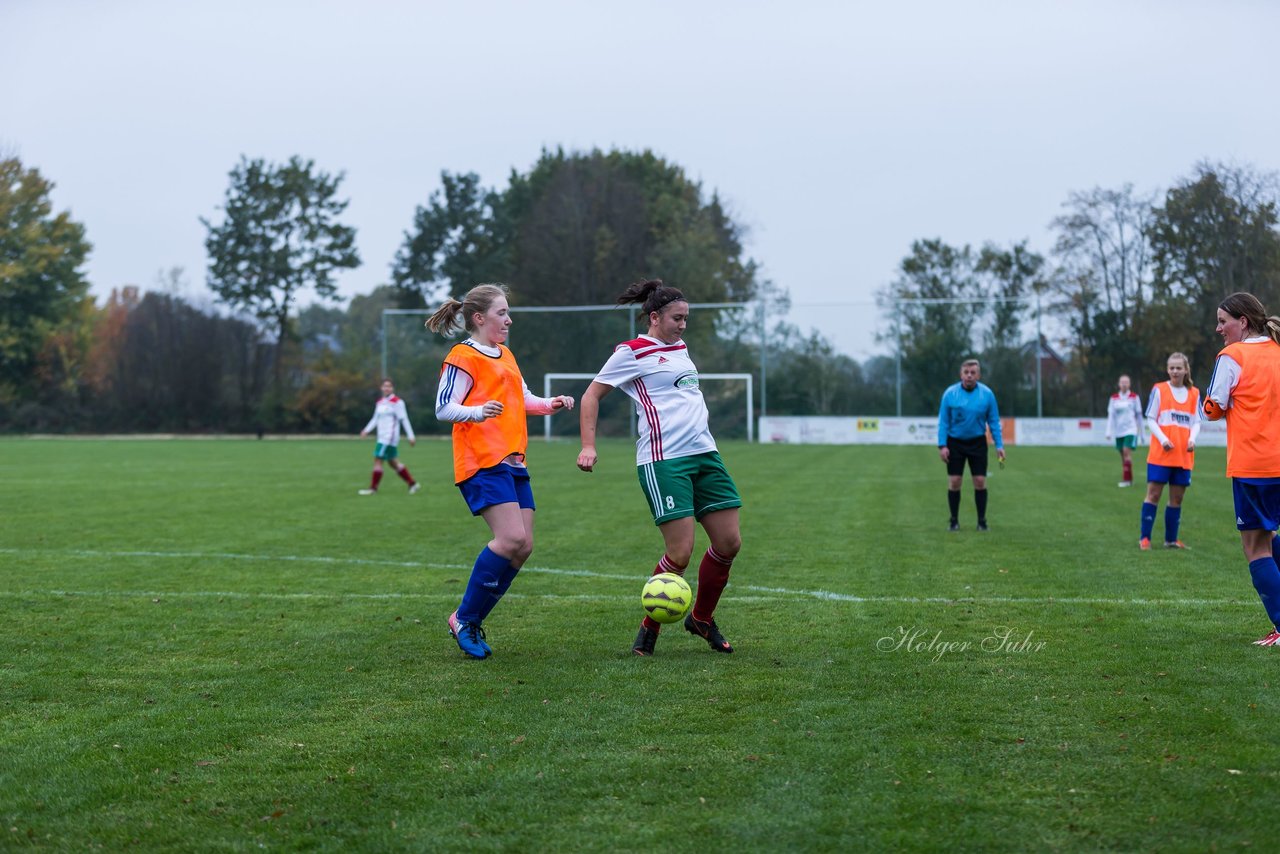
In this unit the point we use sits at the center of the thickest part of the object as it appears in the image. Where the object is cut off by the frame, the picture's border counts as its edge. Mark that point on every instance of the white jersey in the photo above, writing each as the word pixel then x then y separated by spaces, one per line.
pixel 1124 416
pixel 663 382
pixel 388 415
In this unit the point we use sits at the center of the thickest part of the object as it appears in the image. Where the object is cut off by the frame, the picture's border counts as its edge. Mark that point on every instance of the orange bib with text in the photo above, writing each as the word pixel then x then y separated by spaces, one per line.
pixel 1175 420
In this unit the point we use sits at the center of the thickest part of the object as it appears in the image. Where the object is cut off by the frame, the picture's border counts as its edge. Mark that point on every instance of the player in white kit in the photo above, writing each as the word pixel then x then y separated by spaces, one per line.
pixel 389 415
pixel 679 468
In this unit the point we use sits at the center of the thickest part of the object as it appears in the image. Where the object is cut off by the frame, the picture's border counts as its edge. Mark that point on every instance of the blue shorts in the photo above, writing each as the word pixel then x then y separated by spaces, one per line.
pixel 1257 503
pixel 500 484
pixel 1171 475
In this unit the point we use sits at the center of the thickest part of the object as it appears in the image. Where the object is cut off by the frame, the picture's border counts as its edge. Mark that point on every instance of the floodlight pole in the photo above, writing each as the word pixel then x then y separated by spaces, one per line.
pixel 897 353
pixel 764 360
pixel 1039 360
pixel 384 346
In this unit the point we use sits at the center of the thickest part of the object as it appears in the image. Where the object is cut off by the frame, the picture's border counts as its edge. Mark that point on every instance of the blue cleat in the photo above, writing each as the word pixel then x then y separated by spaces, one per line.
pixel 470 637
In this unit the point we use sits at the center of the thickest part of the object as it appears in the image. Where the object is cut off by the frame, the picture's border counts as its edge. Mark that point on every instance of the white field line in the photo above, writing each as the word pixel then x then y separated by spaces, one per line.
pixel 825 595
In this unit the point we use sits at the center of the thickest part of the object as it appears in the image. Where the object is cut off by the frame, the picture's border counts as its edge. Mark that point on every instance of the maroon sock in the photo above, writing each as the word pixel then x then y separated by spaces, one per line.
pixel 664 565
pixel 377 478
pixel 1128 472
pixel 668 565
pixel 713 575
pixel 405 476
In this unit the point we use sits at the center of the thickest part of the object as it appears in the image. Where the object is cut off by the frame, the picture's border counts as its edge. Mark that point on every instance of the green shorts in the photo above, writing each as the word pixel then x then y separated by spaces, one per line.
pixel 688 486
pixel 1123 442
pixel 385 452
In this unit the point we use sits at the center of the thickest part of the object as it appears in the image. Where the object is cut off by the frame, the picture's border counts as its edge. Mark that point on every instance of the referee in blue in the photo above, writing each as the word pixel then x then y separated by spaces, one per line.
pixel 968 409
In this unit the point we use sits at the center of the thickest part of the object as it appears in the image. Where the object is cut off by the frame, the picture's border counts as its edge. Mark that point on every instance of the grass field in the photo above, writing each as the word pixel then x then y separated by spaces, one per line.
pixel 216 645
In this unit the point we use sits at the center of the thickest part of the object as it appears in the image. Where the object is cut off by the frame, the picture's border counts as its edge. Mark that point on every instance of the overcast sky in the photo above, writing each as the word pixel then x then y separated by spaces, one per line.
pixel 837 133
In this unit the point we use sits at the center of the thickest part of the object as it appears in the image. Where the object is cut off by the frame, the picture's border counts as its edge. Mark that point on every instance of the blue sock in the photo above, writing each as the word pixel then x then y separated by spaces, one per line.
pixel 1266 580
pixel 1148 519
pixel 504 584
pixel 1172 516
pixel 483 587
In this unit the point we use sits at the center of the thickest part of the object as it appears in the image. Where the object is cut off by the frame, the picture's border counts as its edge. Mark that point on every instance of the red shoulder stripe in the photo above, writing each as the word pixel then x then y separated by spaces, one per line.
pixel 644 347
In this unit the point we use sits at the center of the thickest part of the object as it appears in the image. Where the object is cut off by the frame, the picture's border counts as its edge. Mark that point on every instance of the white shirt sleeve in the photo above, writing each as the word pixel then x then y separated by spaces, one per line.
pixel 402 413
pixel 1153 415
pixel 1195 425
pixel 373 422
pixel 621 368
pixel 1226 376
pixel 454 386
pixel 534 405
pixel 1111 417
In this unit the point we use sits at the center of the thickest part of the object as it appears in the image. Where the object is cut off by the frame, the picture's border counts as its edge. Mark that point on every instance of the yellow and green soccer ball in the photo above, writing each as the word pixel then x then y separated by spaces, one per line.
pixel 666 597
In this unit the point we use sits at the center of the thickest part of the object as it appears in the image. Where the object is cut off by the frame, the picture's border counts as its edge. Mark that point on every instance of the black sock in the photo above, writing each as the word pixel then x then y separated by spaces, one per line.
pixel 953 501
pixel 980 499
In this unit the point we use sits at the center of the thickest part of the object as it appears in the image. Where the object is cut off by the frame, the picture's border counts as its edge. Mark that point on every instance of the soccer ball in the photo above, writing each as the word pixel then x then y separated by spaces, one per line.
pixel 666 597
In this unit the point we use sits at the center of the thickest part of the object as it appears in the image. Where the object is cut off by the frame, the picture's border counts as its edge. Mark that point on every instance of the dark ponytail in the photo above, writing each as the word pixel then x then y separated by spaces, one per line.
pixel 652 294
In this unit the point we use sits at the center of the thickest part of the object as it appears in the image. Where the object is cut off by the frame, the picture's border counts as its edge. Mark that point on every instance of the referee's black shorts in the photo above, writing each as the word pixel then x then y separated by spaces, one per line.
pixel 973 450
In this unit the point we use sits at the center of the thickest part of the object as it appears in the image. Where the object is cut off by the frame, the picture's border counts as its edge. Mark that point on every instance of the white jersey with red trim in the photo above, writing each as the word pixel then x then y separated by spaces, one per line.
pixel 389 414
pixel 663 382
pixel 1124 415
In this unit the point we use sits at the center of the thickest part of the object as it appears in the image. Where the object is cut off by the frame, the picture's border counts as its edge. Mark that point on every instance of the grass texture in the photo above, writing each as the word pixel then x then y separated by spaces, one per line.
pixel 217 645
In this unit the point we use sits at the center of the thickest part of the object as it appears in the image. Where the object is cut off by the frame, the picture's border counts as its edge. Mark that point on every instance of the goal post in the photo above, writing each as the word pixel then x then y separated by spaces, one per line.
pixel 749 379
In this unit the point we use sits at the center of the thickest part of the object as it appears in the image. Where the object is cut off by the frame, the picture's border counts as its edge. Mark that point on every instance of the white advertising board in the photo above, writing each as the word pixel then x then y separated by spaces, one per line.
pixel 891 430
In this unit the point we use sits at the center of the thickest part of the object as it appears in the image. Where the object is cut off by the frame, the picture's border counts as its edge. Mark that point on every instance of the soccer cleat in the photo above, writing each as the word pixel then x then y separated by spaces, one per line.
pixel 1270 640
pixel 982 526
pixel 416 486
pixel 1175 544
pixel 470 637
pixel 1124 483
pixel 1145 544
pixel 645 640
pixel 368 492
pixel 954 527
pixel 709 632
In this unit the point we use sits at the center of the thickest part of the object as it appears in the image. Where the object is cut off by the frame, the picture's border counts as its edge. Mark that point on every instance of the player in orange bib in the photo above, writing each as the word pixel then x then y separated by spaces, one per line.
pixel 1245 390
pixel 1173 420
pixel 482 393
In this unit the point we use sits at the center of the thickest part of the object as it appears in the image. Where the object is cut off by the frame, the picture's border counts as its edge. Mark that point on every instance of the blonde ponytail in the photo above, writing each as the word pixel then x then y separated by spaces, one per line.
pixel 477 301
pixel 1273 328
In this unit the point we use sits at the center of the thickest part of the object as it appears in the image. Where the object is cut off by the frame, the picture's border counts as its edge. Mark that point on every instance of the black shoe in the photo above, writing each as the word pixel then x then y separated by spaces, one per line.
pixel 982 526
pixel 709 632
pixel 645 639
pixel 954 527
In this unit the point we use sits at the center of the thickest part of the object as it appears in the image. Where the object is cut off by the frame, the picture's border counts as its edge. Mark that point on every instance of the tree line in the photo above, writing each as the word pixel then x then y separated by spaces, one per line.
pixel 1130 277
